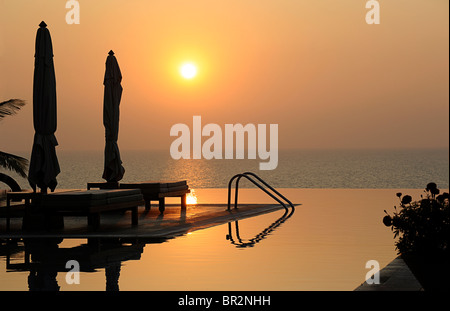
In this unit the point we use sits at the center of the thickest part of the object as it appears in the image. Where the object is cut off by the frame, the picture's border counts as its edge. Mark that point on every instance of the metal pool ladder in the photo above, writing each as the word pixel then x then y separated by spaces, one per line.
pixel 249 176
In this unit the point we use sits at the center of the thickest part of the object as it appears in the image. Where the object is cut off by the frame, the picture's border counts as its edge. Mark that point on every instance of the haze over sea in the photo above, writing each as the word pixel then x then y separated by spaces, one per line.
pixel 355 169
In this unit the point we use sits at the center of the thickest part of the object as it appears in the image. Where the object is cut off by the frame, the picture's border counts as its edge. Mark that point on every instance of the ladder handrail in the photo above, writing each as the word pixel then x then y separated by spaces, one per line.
pixel 256 184
pixel 239 176
pixel 268 186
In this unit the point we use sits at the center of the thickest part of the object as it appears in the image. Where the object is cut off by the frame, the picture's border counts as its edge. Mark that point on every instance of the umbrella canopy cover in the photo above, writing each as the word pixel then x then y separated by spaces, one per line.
pixel 44 166
pixel 113 169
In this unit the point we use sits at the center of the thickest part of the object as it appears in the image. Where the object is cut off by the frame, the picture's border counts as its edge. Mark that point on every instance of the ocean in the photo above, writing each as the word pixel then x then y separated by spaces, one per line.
pixel 325 245
pixel 346 169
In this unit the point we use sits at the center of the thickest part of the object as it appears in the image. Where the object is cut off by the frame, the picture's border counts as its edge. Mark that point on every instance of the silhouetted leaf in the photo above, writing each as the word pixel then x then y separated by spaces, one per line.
pixel 14 163
pixel 10 107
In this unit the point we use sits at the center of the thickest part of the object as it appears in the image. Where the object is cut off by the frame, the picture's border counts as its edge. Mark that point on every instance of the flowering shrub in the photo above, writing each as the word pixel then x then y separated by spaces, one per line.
pixel 422 227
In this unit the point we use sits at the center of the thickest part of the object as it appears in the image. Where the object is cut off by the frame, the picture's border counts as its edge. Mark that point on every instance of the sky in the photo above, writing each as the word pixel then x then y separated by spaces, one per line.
pixel 315 68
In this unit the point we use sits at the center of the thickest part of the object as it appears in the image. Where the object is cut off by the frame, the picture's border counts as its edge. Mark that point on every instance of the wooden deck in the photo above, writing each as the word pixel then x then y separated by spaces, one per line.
pixel 152 224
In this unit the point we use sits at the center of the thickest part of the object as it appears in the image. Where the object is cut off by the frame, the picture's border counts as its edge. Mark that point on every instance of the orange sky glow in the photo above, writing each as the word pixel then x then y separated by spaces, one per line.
pixel 316 68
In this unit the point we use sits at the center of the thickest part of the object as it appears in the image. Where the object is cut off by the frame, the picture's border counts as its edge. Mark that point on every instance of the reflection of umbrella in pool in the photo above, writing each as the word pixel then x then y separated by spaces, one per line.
pixel 44 166
pixel 113 170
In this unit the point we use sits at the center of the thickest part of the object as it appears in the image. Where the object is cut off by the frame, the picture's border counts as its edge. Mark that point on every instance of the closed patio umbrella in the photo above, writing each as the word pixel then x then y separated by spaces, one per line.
pixel 44 166
pixel 113 169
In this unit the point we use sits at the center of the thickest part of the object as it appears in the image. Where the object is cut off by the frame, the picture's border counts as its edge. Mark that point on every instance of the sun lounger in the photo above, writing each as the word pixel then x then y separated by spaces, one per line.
pixel 152 190
pixel 91 203
pixel 159 190
pixel 17 196
pixel 103 185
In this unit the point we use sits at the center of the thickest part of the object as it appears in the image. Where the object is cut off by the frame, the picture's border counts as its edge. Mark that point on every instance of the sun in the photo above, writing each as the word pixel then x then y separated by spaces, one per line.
pixel 188 70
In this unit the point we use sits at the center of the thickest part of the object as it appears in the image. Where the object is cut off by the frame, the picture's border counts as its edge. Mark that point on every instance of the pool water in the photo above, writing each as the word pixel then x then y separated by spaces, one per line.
pixel 324 245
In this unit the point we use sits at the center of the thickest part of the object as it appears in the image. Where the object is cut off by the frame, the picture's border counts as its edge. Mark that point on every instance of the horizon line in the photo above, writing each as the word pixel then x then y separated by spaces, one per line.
pixel 279 149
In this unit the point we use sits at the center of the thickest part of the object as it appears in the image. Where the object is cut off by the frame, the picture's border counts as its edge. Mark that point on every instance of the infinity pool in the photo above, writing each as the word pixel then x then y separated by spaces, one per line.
pixel 324 245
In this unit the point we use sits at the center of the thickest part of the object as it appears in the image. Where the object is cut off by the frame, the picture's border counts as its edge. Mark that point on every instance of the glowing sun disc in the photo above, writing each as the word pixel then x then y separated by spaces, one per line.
pixel 188 71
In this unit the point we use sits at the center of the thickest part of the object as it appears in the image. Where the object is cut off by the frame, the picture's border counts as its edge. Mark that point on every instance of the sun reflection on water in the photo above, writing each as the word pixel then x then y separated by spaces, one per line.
pixel 191 198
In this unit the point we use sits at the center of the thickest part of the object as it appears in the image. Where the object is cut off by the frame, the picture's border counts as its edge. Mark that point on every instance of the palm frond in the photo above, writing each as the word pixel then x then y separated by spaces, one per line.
pixel 10 107
pixel 14 163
